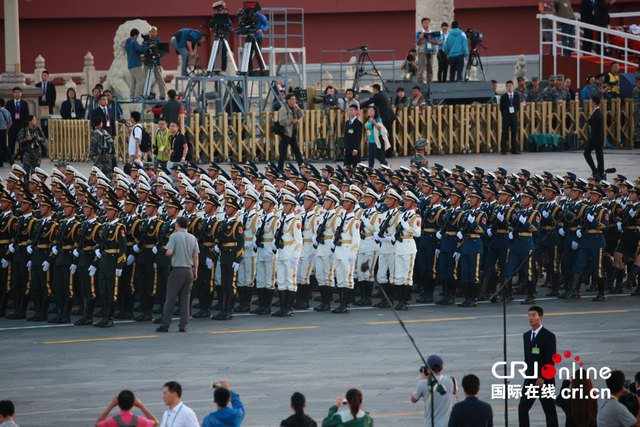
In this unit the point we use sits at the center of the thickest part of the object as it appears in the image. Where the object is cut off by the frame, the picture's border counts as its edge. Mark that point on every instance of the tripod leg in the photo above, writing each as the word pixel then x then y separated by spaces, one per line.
pixel 213 56
pixel 148 81
pixel 246 57
pixel 230 57
pixel 258 52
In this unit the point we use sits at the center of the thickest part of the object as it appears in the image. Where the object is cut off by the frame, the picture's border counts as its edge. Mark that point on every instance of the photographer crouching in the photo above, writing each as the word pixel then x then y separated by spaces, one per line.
pixel 445 393
pixel 289 117
pixel 157 49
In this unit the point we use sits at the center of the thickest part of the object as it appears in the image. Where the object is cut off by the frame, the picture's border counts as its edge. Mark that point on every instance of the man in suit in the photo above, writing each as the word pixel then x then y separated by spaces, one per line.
pixel 586 16
pixel 108 121
pixel 352 137
pixel 509 107
pixel 539 346
pixel 48 95
pixel 596 138
pixel 19 112
pixel 381 101
pixel 471 411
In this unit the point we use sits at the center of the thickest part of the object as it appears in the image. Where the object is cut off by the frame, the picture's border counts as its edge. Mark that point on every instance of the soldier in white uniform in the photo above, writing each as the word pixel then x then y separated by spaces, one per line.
pixel 247 271
pixel 305 264
pixel 325 227
pixel 265 259
pixel 407 229
pixel 288 245
pixel 386 254
pixel 370 220
pixel 345 246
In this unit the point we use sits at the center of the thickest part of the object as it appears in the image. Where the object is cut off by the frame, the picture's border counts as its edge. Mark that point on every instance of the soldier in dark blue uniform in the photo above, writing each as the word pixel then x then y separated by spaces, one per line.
pixel 433 216
pixel 163 262
pixel 550 216
pixel 8 223
pixel 572 213
pixel 499 243
pixel 473 226
pixel 448 235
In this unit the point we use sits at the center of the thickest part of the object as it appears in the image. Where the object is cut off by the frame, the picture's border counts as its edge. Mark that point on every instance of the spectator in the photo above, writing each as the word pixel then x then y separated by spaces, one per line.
pixel 183 250
pixel 417 100
pixel 424 45
pixel 93 101
pixel 546 7
pixel 409 67
pixel 352 138
pixel 351 415
pixel 7 412
pixel 112 105
pixel 456 48
pixel 613 78
pixel 613 413
pixel 185 42
pixel 134 138
pixel 102 111
pixel 401 100
pixel 5 124
pixel 471 412
pixel 535 94
pixel 567 85
pixel 134 63
pixel 350 99
pixel 289 117
pixel 225 415
pixel 179 146
pixel 72 107
pixel 171 110
pixel 375 131
pixel 597 86
pixel 442 403
pixel 299 418
pixel 48 92
pixel 178 414
pixel 126 400
pixel 443 62
pixel 585 92
pixel 161 144
pixel 579 411
pixel 381 100
pixel 564 10
pixel 19 112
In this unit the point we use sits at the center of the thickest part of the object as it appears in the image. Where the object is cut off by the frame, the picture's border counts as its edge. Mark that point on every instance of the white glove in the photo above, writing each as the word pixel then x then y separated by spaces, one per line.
pixel 155 267
pixel 393 238
pixel 274 248
pixel 98 253
pixel 383 239
pixel 456 256
pixel 437 252
pixel 73 268
pixel 12 248
pixel 561 231
pixel 54 249
pixel 574 245
pixel 255 246
pixel 136 248
pixel 92 270
pixel 438 235
pixel 5 263
pixel 29 265
pixel 130 259
pixel 545 214
pixel 217 249
pixel 579 233
pixel 619 226
pixel 118 272
pixel 500 217
pixel 471 219
pixel 45 266
pixel 314 240
pixel 209 263
pixel 294 262
pixel 404 224
pixel 76 253
pixel 155 250
pixel 459 235
pixel 331 257
pixel 29 249
pixel 333 246
pixel 591 217
pixel 511 235
pixel 632 212
pixel 489 233
pixel 523 219
pixel 235 266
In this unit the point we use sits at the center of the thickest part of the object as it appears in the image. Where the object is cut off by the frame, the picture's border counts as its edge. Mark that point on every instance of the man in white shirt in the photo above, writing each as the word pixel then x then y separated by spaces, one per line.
pixel 178 414
pixel 135 154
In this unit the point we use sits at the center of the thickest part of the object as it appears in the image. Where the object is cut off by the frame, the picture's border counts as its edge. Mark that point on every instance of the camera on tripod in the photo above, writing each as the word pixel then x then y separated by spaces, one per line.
pixel 219 24
pixel 248 16
pixel 327 100
pixel 156 50
pixel 474 36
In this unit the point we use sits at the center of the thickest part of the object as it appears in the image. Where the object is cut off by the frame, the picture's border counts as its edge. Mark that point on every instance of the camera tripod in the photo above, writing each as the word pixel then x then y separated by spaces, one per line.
pixel 250 48
pixel 148 80
pixel 363 57
pixel 474 61
pixel 220 46
pixel 329 146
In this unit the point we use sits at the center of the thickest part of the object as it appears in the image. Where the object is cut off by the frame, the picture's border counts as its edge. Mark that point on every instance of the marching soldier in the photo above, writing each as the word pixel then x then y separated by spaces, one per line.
pixel 231 248
pixel 305 263
pixel 126 282
pixel 627 249
pixel 111 256
pixel 474 223
pixel 265 261
pixel 447 264
pixel 383 235
pixel 8 223
pixel 325 228
pixel 572 213
pixel 85 255
pixel 208 256
pixel 247 271
pixel 163 262
pixel 407 228
pixel 550 216
pixel 370 220
pixel 432 220
pixel 287 246
pixel 345 247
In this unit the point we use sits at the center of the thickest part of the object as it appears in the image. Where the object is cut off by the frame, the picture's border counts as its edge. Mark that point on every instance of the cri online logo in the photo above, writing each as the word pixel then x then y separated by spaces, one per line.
pixel 549 371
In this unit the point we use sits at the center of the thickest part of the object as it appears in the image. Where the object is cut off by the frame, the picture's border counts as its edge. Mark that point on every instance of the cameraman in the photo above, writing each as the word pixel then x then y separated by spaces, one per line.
pixel 185 42
pixel 456 48
pixel 154 61
pixel 289 116
pixel 409 67
pixel 225 415
pixel 610 411
pixel 134 63
pixel 220 8
pixel 442 403
pixel 330 100
pixel 261 26
pixel 424 45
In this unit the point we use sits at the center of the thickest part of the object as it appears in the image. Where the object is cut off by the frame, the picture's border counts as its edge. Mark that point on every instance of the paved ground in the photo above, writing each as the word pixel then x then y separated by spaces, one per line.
pixel 66 375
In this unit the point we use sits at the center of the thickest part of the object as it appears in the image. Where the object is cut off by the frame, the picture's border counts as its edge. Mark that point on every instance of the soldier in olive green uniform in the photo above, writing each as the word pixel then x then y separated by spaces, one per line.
pixel 30 140
pixel 419 159
pixel 8 223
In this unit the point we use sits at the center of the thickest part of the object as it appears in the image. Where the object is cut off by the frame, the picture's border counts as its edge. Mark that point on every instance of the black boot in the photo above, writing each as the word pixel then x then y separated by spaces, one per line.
pixel 404 296
pixel 291 300
pixel 427 296
pixel 282 299
pixel 448 290
pixel 612 280
pixel 268 296
pixel 365 300
pixel 383 302
pixel 228 299
pixel 573 290
pixel 245 299
pixel 325 293
pixel 4 299
pixel 302 300
pixel 488 287
pixel 601 292
pixel 219 293
pixel 86 318
pixel 632 273
pixel 260 292
pixel 344 303
pixel 20 302
pixel 470 299
pixel 555 285
pixel 531 293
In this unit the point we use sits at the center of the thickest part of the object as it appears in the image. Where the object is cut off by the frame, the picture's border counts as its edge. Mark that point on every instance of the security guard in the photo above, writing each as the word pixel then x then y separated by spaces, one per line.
pixel 85 255
pixel 386 254
pixel 111 257
pixel 346 241
pixel 407 229
pixel 590 245
pixel 370 220
pixel 447 235
pixel 231 246
pixel 325 228
pixel 265 261
pixel 474 223
pixel 287 246
pixel 433 215
pixel 8 223
pixel 550 216
pixel 126 283
pixel 305 263
pixel 246 274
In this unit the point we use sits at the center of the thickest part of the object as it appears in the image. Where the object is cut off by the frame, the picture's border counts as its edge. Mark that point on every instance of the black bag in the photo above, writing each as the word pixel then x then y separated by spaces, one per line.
pixel 145 141
pixel 107 146
pixel 190 149
pixel 278 129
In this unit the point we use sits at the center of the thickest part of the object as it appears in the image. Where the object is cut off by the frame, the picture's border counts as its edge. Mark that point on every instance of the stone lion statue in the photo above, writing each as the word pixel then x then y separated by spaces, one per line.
pixel 118 77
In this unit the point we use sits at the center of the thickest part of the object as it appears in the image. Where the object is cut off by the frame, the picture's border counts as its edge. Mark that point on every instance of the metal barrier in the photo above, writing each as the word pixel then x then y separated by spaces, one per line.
pixel 474 128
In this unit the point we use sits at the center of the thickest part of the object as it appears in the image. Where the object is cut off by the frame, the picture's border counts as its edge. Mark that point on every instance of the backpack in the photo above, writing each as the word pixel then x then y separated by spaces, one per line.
pixel 107 145
pixel 134 421
pixel 145 141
